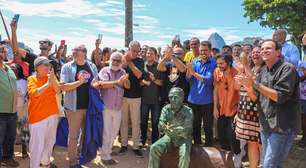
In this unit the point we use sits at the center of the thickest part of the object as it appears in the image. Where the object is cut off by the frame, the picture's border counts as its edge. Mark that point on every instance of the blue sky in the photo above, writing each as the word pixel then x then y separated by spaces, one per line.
pixel 79 21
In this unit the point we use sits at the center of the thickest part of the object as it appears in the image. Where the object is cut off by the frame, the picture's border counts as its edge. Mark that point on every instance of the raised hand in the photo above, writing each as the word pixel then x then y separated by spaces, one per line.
pixel 13 25
pixel 168 53
pixel 244 59
pixel 82 78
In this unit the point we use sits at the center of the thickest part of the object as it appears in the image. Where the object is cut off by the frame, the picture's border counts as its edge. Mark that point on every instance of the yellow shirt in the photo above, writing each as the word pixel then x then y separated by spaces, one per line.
pixel 189 56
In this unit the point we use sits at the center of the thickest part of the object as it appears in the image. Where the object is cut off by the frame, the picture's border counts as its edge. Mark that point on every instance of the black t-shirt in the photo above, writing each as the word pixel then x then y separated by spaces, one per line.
pixel 135 89
pixel 150 94
pixel 83 90
pixel 177 79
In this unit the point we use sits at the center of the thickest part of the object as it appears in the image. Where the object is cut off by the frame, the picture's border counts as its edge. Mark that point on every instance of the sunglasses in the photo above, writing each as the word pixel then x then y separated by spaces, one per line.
pixel 179 54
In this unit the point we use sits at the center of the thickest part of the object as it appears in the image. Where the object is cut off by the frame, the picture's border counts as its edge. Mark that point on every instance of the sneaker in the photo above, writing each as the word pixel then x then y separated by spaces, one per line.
pixel 51 165
pixel 110 162
pixel 138 153
pixel 9 163
pixel 123 150
pixel 237 160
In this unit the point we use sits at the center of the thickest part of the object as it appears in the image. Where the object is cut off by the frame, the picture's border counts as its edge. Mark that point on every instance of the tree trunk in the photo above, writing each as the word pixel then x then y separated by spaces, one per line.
pixel 128 22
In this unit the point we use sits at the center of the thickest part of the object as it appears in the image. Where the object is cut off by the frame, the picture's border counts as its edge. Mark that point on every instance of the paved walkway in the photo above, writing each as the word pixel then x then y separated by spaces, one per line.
pixel 297 159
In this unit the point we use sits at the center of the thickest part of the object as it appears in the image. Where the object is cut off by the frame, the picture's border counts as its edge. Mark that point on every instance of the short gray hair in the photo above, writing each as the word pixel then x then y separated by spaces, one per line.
pixel 116 54
pixel 134 43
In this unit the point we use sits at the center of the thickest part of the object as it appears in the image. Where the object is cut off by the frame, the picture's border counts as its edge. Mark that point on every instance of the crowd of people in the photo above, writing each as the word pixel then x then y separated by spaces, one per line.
pixel 255 93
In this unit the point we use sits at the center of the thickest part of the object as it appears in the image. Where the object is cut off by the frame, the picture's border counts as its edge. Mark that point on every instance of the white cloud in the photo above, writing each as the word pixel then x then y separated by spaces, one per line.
pixel 65 8
pixel 139 7
pixel 201 33
pixel 114 2
pixel 154 43
pixel 229 34
pixel 116 28
pixel 146 25
pixel 31 37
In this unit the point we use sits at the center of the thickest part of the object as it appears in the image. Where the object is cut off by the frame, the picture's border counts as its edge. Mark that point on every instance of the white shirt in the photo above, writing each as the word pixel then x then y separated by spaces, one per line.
pixel 22 92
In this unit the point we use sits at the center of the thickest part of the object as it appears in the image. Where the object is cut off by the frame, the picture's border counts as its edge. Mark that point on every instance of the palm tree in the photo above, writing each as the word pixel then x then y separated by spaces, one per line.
pixel 128 22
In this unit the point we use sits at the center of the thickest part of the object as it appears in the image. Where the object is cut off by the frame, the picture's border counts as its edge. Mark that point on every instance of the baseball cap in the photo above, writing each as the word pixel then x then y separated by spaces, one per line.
pixel 41 60
pixel 50 43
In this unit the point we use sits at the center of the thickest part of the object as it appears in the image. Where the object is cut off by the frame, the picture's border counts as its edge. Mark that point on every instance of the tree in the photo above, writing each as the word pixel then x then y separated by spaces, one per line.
pixel 286 14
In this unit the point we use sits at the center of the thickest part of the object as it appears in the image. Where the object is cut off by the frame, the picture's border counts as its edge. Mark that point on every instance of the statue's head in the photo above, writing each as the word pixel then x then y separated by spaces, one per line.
pixel 176 97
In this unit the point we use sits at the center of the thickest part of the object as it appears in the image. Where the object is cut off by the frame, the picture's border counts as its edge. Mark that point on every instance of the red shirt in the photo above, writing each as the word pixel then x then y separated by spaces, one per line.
pixel 24 65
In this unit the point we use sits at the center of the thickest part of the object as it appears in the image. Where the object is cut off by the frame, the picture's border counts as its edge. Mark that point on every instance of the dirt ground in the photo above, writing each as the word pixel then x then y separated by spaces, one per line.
pixel 297 159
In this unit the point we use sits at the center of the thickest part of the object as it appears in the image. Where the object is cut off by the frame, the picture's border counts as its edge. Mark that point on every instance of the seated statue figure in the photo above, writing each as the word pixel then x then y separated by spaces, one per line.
pixel 175 123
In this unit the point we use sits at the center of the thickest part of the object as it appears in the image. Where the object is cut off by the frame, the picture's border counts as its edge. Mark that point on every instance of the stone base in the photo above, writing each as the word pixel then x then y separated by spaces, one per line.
pixel 208 157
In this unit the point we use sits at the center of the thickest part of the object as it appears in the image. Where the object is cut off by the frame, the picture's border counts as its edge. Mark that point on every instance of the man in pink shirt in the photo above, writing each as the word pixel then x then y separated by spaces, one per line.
pixel 111 81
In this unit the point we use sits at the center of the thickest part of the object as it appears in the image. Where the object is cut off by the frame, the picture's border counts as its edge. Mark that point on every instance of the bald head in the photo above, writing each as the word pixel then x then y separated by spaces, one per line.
pixel 280 35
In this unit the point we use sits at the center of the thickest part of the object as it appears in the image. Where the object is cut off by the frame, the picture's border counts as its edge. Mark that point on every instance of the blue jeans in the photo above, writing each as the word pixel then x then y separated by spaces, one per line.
pixel 8 129
pixel 155 113
pixel 276 147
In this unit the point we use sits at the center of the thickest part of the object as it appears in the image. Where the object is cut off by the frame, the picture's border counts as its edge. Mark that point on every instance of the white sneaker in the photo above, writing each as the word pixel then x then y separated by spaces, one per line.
pixel 237 160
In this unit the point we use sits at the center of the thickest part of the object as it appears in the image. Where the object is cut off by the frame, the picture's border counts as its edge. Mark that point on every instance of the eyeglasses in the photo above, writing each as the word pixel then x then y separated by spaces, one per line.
pixel 116 60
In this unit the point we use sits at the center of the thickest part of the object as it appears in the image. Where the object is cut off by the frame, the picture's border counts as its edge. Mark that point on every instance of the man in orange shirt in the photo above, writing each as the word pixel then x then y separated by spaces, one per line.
pixel 43 113
pixel 226 100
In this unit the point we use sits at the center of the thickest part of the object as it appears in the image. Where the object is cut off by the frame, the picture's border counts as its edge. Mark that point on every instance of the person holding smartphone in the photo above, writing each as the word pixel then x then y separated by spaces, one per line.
pixel 43 113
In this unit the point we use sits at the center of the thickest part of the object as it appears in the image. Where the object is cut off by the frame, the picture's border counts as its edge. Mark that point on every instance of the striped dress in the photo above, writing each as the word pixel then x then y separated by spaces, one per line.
pixel 247 119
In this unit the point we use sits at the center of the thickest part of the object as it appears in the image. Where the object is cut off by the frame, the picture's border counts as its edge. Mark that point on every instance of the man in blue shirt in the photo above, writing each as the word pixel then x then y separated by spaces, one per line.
pixel 290 52
pixel 200 73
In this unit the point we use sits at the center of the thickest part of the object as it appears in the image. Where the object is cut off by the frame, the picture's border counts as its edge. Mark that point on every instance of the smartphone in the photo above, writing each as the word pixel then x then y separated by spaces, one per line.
pixel 177 37
pixel 63 43
pixel 100 36
pixel 16 18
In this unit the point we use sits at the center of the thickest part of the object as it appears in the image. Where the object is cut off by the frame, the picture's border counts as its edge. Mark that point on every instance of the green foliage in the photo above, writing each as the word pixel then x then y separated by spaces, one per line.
pixel 286 14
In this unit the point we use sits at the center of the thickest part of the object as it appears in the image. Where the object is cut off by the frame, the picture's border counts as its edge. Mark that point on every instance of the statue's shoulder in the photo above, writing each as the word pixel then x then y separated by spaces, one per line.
pixel 166 107
pixel 187 110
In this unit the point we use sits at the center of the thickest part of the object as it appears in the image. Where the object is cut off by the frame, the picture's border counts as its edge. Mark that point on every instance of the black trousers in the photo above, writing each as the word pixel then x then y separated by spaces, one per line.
pixel 227 135
pixel 8 130
pixel 203 113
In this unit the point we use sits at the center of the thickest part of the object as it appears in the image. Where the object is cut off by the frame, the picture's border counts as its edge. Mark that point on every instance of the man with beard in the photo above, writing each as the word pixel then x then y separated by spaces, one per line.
pixel 45 47
pixel 226 100
pixel 112 80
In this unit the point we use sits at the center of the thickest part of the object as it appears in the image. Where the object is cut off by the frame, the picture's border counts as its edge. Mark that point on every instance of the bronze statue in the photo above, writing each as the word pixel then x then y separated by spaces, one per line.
pixel 175 123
